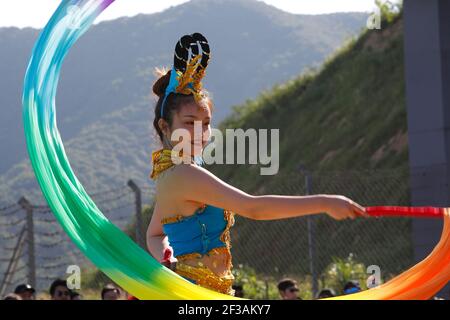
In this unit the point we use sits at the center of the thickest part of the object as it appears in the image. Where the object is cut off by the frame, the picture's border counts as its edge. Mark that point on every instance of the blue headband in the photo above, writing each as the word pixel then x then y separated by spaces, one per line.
pixel 171 88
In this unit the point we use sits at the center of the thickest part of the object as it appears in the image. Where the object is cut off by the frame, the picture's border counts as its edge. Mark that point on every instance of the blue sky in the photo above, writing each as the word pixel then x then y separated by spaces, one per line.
pixel 35 13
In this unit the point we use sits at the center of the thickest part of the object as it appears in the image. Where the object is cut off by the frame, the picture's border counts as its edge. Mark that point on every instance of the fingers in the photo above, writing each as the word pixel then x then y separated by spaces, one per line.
pixel 355 212
pixel 358 210
pixel 361 210
pixel 350 211
pixel 363 213
pixel 352 214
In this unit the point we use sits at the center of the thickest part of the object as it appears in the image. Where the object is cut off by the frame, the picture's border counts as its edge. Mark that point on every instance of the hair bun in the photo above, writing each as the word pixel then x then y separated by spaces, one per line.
pixel 160 86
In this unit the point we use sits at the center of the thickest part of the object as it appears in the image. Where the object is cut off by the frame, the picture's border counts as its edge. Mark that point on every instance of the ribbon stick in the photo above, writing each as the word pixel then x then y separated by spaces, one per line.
pixel 417 212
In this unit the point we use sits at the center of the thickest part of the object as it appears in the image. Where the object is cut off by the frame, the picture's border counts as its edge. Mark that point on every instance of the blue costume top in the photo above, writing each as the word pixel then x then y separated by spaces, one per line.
pixel 199 233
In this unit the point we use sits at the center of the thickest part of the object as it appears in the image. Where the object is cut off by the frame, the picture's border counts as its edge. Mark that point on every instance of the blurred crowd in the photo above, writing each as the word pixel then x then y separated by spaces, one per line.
pixel 289 290
pixel 59 290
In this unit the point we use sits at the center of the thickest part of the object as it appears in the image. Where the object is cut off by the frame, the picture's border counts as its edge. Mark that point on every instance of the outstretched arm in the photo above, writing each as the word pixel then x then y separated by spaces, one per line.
pixel 211 190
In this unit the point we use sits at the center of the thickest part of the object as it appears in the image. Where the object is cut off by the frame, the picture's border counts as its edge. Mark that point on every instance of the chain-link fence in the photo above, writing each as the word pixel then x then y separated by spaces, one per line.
pixel 315 250
pixel 310 249
pixel 34 248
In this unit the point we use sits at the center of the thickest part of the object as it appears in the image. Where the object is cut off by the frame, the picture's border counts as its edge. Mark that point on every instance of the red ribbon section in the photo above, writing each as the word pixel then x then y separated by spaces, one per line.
pixel 413 212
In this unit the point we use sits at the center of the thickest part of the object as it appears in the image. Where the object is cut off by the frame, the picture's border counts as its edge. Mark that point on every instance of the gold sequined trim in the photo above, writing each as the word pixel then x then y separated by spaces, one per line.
pixel 172 219
pixel 206 278
pixel 162 160
pixel 225 237
pixel 197 255
pixel 193 75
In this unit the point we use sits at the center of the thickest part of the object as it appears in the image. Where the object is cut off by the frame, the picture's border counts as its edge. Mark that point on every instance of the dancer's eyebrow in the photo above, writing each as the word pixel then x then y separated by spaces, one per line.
pixel 195 117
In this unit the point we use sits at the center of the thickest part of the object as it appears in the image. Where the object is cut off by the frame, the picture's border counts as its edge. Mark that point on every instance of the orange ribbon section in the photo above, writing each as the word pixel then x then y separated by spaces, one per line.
pixel 425 279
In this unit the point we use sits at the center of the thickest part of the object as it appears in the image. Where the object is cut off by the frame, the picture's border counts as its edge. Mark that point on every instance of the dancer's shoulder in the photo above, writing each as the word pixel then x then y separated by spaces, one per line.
pixel 191 171
pixel 188 175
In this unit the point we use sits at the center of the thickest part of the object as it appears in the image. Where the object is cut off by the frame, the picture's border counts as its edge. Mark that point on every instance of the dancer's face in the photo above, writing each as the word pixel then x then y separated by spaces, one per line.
pixel 111 295
pixel 27 295
pixel 191 117
pixel 61 293
pixel 290 293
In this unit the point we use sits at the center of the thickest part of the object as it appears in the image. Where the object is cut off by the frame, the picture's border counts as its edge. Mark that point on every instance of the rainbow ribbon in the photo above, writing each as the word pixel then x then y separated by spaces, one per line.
pixel 111 250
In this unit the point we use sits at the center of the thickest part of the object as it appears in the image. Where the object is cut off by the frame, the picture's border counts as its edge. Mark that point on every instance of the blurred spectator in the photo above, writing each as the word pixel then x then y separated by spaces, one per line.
pixel 373 281
pixel 238 290
pixel 288 289
pixel 59 290
pixel 25 291
pixel 326 293
pixel 110 292
pixel 122 291
pixel 352 287
pixel 12 296
pixel 74 295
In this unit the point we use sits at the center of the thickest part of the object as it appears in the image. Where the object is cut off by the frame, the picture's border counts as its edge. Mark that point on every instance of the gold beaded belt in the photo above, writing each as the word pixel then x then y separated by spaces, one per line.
pixel 206 278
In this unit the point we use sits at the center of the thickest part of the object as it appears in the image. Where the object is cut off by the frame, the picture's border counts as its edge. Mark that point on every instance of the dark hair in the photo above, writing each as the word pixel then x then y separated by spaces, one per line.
pixel 326 293
pixel 286 283
pixel 108 288
pixel 351 284
pixel 21 288
pixel 57 283
pixel 237 287
pixel 238 290
pixel 173 102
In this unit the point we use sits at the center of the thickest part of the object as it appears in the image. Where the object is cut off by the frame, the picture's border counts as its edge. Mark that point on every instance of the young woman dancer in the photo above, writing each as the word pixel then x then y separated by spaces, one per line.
pixel 194 210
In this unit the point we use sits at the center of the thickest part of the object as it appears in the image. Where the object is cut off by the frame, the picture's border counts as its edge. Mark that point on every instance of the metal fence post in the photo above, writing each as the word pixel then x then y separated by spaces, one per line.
pixel 26 205
pixel 310 221
pixel 266 288
pixel 139 223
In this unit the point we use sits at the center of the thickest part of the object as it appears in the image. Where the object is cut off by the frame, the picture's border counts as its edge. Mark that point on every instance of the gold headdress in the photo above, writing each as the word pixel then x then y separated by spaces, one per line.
pixel 188 71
